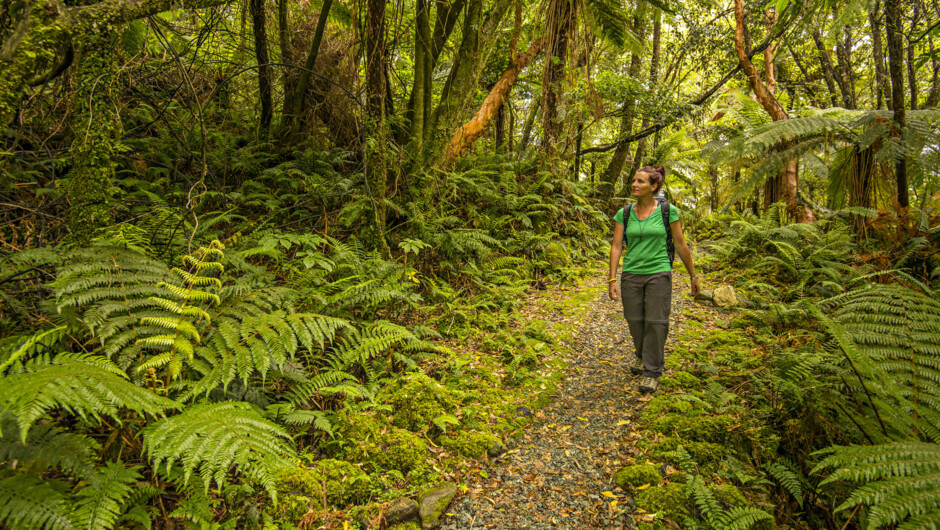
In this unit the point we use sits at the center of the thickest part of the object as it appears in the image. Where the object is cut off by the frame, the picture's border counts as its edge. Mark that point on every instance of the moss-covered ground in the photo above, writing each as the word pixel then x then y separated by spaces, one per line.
pixel 437 423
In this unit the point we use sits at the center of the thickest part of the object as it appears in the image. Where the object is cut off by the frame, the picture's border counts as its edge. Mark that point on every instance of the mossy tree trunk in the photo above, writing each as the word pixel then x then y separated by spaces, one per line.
pixel 290 123
pixel 560 26
pixel 260 31
pixel 377 146
pixel 478 34
pixel 788 176
pixel 896 68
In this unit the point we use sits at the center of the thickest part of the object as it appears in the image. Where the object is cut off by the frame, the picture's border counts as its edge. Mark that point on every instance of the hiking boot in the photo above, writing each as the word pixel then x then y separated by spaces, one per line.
pixel 649 384
pixel 636 366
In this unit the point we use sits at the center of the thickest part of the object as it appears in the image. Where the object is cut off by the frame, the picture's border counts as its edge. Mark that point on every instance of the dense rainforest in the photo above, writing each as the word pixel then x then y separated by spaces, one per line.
pixel 272 264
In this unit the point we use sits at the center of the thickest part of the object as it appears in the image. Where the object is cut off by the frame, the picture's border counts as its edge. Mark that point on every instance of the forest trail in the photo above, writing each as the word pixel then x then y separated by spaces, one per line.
pixel 561 474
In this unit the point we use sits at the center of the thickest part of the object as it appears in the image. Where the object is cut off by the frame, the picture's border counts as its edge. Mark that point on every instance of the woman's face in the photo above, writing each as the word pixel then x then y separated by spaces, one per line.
pixel 641 184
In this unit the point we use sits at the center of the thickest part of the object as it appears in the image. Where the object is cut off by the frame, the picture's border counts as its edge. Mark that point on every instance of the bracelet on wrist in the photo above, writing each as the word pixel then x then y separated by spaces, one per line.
pixel 612 280
pixel 693 277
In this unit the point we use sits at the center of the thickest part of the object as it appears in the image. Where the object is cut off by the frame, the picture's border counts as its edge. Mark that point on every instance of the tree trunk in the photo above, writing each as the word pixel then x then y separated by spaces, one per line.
pixel 283 35
pixel 462 81
pixel 829 72
pixel 256 7
pixel 619 158
pixel 472 130
pixel 561 14
pixel 769 73
pixel 377 172
pixel 911 64
pixel 654 79
pixel 422 58
pixel 878 57
pixel 789 176
pixel 933 97
pixel 713 179
pixel 300 92
pixel 527 126
pixel 895 67
pixel 846 73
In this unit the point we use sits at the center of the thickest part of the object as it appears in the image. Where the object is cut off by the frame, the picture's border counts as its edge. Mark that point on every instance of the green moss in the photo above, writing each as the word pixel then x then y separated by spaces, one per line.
pixel 417 400
pixel 406 526
pixel 729 496
pixel 712 429
pixel 473 444
pixel 637 476
pixel 556 255
pixel 301 488
pixel 668 500
pixel 678 380
pixel 663 404
pixel 395 449
pixel 701 452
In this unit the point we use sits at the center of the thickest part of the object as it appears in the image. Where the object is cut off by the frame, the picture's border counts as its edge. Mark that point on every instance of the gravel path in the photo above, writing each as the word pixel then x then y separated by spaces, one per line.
pixel 561 473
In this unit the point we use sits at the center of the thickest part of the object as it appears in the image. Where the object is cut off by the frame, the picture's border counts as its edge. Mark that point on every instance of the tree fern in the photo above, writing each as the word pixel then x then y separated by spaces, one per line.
pixel 212 439
pixel 77 387
pixel 895 332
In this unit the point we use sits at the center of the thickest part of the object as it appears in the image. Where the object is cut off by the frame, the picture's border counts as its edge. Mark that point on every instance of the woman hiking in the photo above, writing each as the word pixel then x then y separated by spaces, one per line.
pixel 646 283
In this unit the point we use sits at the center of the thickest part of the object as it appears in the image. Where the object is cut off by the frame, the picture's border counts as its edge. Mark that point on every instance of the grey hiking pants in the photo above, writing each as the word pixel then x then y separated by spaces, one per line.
pixel 647 300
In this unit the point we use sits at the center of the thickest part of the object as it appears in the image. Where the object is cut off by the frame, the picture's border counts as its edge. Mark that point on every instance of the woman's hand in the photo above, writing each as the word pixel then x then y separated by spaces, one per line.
pixel 613 291
pixel 696 288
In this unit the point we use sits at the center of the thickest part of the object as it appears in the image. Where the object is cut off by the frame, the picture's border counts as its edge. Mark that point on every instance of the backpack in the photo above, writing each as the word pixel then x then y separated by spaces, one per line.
pixel 664 209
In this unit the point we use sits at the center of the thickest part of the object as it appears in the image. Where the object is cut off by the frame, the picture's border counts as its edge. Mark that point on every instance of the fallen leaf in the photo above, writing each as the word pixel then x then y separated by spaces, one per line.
pixel 623 422
pixel 643 487
pixel 609 494
pixel 582 419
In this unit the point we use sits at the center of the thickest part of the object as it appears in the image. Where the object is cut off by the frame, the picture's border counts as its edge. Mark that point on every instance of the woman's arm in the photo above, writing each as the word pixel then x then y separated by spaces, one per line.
pixel 684 253
pixel 616 249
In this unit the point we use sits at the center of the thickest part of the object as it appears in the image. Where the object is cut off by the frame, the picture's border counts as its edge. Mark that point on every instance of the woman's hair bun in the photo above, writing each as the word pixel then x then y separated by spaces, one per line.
pixel 661 170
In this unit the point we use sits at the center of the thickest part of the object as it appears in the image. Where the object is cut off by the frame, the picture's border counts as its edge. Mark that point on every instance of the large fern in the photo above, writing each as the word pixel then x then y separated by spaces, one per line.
pixel 891 335
pixel 213 438
pixel 899 481
pixel 77 387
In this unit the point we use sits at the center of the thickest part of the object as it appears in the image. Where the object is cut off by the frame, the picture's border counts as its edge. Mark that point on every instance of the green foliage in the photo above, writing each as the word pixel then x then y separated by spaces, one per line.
pixel 715 515
pixel 215 437
pixel 77 386
pixel 898 481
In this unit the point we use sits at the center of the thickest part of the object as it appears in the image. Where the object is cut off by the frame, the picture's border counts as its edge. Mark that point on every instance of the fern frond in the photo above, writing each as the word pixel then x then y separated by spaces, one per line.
pixel 77 387
pixel 900 480
pixel 211 439
pixel 100 503
pixel 47 447
pixel 27 502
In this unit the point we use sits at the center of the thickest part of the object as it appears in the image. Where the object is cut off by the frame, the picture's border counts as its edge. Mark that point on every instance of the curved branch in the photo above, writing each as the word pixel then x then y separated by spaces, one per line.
pixel 58 70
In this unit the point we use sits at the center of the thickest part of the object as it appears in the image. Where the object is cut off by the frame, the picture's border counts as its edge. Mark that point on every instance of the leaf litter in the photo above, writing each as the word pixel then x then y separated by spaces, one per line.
pixel 561 474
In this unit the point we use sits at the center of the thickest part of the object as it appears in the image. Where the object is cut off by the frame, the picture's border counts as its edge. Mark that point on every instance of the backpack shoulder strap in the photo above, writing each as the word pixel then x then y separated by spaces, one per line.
pixel 664 209
pixel 626 219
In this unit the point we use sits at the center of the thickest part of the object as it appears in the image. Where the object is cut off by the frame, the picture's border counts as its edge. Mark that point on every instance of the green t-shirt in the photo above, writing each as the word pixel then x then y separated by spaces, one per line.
pixel 646 242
